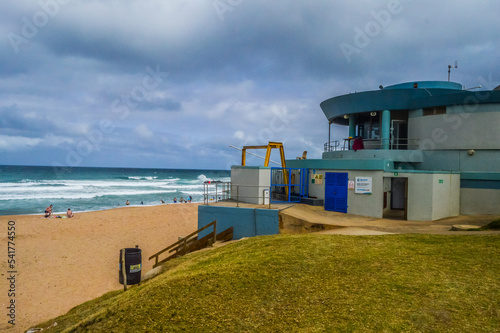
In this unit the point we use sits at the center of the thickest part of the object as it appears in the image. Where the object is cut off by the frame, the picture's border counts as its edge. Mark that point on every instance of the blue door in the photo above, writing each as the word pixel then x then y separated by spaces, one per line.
pixel 336 191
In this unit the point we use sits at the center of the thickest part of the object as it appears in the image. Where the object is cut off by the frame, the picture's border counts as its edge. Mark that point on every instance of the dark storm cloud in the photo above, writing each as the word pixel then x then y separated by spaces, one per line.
pixel 173 83
pixel 13 122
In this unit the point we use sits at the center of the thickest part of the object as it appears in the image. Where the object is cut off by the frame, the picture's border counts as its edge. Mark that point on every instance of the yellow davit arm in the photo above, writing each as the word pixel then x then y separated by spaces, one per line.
pixel 270 146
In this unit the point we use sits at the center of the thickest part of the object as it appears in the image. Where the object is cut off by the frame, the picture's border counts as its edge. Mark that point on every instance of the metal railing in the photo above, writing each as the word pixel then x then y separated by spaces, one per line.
pixel 392 144
pixel 215 192
pixel 289 184
pixel 331 146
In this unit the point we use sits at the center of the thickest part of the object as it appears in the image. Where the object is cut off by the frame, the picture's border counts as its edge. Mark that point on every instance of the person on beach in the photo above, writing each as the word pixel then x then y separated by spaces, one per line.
pixel 127 203
pixel 164 201
pixel 69 213
pixel 48 211
pixel 175 200
pixel 181 200
pixel 190 198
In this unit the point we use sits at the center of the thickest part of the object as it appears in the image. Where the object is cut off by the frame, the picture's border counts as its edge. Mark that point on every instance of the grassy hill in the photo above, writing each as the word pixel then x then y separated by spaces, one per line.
pixel 312 283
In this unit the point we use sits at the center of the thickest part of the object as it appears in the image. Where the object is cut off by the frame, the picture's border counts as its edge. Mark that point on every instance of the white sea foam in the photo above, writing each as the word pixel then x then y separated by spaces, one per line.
pixel 87 189
pixel 79 195
pixel 98 188
pixel 142 177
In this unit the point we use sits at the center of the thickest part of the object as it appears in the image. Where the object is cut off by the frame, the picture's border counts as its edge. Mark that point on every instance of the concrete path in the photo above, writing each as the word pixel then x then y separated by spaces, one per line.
pixel 361 225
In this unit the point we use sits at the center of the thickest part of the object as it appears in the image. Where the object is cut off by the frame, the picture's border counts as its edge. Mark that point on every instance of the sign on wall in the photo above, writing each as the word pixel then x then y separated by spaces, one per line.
pixel 363 185
pixel 317 179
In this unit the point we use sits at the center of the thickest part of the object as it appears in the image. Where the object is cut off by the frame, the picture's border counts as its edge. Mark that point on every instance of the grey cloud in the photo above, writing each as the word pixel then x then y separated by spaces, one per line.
pixel 13 121
pixel 225 73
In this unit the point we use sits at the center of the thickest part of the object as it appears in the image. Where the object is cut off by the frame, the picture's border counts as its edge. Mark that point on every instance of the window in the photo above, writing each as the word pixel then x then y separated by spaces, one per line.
pixel 434 110
pixel 368 125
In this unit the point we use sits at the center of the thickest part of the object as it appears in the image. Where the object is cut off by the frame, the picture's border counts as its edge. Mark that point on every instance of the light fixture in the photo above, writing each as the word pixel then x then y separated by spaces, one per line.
pixel 346 116
pixel 373 113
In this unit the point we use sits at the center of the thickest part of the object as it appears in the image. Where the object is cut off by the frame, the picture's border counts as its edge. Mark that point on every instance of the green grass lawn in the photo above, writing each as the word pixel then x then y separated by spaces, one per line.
pixel 312 283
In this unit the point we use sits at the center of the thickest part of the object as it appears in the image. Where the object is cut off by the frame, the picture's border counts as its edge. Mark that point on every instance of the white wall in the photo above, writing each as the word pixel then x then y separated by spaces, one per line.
pixel 428 198
pixel 367 204
pixel 419 197
pixel 316 190
pixel 445 195
pixel 249 183
pixel 387 189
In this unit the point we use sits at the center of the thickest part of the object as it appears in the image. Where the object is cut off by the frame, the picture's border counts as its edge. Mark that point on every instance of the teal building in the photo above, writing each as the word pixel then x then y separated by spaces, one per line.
pixel 429 150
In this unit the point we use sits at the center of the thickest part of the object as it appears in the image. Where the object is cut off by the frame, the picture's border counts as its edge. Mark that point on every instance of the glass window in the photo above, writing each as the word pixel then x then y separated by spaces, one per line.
pixel 369 129
pixel 434 110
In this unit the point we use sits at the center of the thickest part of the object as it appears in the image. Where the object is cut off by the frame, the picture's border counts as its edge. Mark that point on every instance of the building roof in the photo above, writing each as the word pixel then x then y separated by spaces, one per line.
pixel 405 96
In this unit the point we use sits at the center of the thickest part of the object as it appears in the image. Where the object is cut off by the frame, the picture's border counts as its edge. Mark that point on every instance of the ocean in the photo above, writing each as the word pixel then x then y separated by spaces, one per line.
pixel 30 189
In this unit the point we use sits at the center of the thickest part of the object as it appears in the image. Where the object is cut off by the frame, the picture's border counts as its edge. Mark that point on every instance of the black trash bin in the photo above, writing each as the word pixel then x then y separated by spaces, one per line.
pixel 133 265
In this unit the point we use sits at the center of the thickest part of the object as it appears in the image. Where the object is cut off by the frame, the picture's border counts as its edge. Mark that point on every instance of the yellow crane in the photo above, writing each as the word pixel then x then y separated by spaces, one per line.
pixel 270 146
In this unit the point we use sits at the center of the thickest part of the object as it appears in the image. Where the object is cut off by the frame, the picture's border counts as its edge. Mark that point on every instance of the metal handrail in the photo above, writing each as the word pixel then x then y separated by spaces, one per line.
pixel 223 194
pixel 331 146
pixel 394 144
pixel 227 194
pixel 263 197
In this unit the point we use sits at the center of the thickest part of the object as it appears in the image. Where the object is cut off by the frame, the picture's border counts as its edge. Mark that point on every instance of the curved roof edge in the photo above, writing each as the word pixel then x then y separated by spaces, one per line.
pixel 401 97
pixel 426 85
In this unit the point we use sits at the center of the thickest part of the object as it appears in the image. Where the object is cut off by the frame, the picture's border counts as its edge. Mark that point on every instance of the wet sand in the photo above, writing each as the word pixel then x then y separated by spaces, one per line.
pixel 62 263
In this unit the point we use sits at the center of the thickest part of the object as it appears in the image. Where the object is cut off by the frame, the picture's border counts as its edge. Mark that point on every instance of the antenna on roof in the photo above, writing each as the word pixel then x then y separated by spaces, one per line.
pixel 450 67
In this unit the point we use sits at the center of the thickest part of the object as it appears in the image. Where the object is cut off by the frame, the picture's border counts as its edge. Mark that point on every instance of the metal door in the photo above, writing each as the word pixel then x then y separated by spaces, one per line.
pixel 336 191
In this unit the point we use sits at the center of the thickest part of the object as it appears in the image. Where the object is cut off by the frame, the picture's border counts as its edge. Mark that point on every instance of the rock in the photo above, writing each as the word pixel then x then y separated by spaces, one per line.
pixel 465 227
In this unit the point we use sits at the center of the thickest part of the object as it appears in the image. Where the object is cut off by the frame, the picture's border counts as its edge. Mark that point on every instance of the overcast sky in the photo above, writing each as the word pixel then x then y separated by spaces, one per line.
pixel 171 84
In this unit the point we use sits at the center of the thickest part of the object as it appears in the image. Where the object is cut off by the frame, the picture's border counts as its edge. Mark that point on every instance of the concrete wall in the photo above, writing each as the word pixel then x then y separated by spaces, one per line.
pixel 431 196
pixel 479 201
pixel 387 190
pixel 445 195
pixel 368 154
pixel 455 194
pixel 246 222
pixel 249 183
pixel 458 129
pixel 419 196
pixel 359 204
pixel 460 160
pixel 367 204
pixel 481 160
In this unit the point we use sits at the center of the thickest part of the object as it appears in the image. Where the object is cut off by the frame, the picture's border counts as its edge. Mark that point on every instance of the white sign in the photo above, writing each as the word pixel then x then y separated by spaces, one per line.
pixel 363 185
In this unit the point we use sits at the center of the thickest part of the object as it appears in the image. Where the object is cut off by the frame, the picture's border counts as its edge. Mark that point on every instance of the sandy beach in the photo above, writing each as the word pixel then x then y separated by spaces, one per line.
pixel 62 263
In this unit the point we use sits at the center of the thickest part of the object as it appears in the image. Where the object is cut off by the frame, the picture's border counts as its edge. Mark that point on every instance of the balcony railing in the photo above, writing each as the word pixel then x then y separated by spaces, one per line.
pixel 224 191
pixel 392 144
